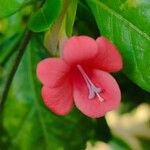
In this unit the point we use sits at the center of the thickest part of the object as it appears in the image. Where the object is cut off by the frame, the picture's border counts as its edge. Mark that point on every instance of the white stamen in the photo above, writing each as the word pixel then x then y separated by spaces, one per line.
pixel 93 90
pixel 99 97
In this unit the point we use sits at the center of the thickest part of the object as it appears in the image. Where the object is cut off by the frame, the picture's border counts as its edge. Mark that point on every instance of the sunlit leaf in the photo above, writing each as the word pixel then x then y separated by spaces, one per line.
pixel 127 25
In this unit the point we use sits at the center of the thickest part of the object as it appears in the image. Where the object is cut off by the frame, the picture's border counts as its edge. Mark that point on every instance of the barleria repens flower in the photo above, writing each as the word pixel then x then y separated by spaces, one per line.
pixel 81 77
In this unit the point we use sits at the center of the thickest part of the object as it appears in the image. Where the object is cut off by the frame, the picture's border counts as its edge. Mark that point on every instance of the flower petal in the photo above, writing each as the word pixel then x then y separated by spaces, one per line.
pixel 59 99
pixel 108 58
pixel 93 107
pixel 79 49
pixel 52 71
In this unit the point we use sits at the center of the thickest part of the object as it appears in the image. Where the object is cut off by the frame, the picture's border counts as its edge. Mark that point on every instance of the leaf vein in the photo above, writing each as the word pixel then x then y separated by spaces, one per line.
pixel 112 12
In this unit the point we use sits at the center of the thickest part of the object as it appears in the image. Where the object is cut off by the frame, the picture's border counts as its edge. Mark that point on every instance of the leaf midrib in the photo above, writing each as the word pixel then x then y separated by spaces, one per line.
pixel 120 17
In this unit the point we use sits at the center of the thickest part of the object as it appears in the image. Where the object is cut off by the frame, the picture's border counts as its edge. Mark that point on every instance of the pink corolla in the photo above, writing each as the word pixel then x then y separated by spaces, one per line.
pixel 81 77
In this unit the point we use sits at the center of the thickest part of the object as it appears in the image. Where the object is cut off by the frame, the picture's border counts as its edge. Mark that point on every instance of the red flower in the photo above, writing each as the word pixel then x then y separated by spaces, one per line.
pixel 81 77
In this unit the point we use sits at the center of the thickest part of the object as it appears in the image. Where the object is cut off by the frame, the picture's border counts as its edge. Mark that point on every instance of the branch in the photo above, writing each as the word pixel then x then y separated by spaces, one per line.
pixel 21 50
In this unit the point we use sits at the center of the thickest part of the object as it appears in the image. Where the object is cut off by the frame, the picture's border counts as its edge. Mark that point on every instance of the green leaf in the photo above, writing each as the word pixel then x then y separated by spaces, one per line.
pixel 126 23
pixel 8 7
pixel 30 125
pixel 45 16
pixel 8 48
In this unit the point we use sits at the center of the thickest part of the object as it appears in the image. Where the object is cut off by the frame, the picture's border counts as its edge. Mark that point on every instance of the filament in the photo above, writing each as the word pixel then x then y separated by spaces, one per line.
pixel 93 90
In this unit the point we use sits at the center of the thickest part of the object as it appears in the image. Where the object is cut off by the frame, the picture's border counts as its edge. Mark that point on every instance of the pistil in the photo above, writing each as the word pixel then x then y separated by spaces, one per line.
pixel 93 90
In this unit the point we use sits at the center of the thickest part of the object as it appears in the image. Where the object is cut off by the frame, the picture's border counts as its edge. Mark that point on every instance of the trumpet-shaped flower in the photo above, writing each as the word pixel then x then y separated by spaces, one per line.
pixel 81 77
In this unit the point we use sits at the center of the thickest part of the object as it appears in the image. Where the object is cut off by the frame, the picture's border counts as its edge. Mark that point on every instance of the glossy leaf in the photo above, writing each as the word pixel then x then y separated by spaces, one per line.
pixel 45 16
pixel 127 25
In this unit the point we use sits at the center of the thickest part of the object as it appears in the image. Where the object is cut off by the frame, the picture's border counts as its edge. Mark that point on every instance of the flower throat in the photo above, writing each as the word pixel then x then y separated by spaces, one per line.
pixel 93 90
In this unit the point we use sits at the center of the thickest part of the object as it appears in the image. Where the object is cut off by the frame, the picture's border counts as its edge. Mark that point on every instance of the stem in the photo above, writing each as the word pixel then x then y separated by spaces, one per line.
pixel 21 50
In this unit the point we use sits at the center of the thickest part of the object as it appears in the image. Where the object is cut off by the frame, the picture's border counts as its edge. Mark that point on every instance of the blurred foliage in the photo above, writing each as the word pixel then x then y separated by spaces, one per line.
pixel 132 95
pixel 45 15
pixel 85 23
pixel 25 123
pixel 8 7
